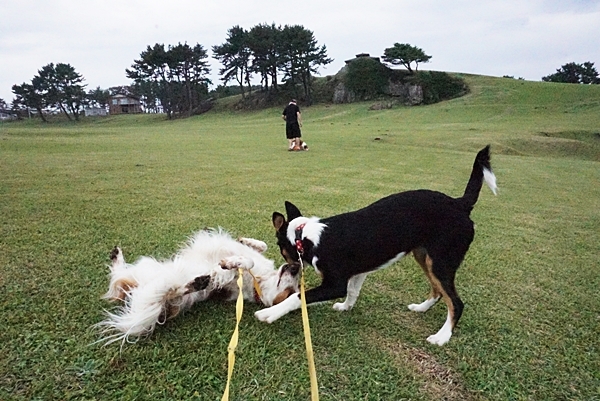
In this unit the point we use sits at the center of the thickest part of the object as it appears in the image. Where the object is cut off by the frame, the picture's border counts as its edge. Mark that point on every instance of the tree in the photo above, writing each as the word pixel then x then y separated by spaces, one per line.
pixel 62 87
pixel 265 44
pixel 405 54
pixel 235 56
pixel 30 96
pixel 98 97
pixel 573 73
pixel 301 57
pixel 189 71
pixel 269 51
pixel 177 77
pixel 150 74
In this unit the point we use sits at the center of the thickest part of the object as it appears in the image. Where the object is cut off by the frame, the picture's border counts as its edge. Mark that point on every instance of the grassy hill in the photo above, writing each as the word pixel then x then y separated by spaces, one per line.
pixel 69 192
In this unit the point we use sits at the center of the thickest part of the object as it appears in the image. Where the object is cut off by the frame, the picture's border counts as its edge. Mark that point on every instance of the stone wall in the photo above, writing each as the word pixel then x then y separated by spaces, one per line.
pixel 404 93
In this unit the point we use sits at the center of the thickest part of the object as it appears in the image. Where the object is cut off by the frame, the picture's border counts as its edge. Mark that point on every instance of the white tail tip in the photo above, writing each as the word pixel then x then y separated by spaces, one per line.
pixel 490 180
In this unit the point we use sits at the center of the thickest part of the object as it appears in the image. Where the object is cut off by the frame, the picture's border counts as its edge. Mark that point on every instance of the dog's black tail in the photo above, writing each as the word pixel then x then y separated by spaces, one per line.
pixel 482 171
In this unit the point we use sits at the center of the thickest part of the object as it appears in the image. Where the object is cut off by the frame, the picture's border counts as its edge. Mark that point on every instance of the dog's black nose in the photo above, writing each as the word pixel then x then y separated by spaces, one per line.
pixel 292 268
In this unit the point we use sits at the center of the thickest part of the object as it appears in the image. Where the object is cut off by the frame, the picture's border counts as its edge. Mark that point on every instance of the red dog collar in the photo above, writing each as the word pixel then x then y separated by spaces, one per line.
pixel 299 246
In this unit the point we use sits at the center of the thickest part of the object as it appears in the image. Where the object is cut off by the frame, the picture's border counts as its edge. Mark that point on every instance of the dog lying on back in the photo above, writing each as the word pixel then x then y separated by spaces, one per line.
pixel 153 291
pixel 298 145
pixel 345 248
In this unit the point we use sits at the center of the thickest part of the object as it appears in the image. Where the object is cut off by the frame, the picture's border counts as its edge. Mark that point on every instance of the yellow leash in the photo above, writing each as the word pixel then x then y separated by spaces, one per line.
pixel 256 285
pixel 233 343
pixel 314 386
pixel 239 309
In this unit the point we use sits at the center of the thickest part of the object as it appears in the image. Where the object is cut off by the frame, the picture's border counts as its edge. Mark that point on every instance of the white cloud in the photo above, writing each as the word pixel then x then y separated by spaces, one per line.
pixel 102 38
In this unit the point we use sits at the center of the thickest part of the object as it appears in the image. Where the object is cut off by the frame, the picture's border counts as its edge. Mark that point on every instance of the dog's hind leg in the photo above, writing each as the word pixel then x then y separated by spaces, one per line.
pixel 354 285
pixel 443 275
pixel 425 262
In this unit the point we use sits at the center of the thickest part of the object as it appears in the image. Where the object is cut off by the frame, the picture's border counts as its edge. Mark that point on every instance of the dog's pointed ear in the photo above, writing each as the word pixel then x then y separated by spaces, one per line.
pixel 278 220
pixel 292 211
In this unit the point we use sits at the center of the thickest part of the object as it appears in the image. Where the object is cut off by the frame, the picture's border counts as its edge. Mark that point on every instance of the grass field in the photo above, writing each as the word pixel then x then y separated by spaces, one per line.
pixel 69 192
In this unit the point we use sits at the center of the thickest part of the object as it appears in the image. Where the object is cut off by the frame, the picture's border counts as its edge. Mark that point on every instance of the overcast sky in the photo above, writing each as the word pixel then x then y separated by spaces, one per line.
pixel 101 38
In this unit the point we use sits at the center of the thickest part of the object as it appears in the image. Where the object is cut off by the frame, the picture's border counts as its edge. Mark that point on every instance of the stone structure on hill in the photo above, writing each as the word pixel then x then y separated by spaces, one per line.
pixel 401 92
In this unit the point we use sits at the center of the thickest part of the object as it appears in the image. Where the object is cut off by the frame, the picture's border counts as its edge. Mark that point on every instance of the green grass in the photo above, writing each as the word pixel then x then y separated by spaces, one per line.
pixel 69 192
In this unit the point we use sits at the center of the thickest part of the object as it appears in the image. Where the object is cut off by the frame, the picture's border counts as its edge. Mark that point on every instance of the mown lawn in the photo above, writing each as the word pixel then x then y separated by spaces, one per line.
pixel 70 192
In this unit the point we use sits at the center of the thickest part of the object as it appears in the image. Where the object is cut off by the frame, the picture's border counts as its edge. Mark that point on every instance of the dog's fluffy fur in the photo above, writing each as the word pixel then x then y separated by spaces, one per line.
pixel 436 228
pixel 154 291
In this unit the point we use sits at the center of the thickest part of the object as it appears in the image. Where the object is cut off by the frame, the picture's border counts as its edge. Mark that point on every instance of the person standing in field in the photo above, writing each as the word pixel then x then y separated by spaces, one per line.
pixel 293 121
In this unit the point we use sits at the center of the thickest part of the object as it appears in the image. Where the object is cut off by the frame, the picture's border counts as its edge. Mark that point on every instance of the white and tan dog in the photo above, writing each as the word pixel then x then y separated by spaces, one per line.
pixel 154 291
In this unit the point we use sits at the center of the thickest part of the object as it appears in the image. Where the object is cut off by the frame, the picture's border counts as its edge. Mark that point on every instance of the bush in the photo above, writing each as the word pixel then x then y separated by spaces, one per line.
pixel 367 78
pixel 438 86
pixel 323 88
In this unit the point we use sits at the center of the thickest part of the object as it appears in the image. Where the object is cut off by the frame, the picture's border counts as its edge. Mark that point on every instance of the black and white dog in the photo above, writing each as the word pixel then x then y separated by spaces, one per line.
pixel 343 249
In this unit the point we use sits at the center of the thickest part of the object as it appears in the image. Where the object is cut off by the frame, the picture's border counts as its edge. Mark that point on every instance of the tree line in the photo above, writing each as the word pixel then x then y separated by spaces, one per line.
pixel 574 73
pixel 174 79
pixel 270 51
pixel 57 86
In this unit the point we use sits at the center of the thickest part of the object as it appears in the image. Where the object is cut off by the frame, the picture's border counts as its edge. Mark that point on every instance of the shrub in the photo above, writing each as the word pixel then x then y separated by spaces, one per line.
pixel 323 88
pixel 367 77
pixel 438 86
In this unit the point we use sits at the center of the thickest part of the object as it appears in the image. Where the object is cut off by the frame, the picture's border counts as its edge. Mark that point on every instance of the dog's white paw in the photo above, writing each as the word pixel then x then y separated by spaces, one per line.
pixel 442 336
pixel 236 262
pixel 423 306
pixel 439 339
pixel 255 244
pixel 341 307
pixel 269 315
pixel 264 315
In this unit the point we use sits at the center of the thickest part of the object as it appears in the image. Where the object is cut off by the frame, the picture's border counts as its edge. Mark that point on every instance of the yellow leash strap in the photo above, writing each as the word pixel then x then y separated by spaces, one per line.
pixel 256 286
pixel 314 386
pixel 239 309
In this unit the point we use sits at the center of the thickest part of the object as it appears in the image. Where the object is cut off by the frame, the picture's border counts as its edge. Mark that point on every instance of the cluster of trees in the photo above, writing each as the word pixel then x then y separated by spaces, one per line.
pixel 574 73
pixel 58 86
pixel 270 51
pixel 173 78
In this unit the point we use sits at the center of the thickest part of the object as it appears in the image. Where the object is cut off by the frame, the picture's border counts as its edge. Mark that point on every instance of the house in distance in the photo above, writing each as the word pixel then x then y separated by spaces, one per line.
pixel 122 104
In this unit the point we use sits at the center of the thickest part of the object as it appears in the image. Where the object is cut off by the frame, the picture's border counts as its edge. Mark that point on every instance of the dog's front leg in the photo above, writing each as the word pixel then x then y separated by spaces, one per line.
pixel 221 275
pixel 354 285
pixel 255 244
pixel 269 315
pixel 226 272
pixel 322 293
